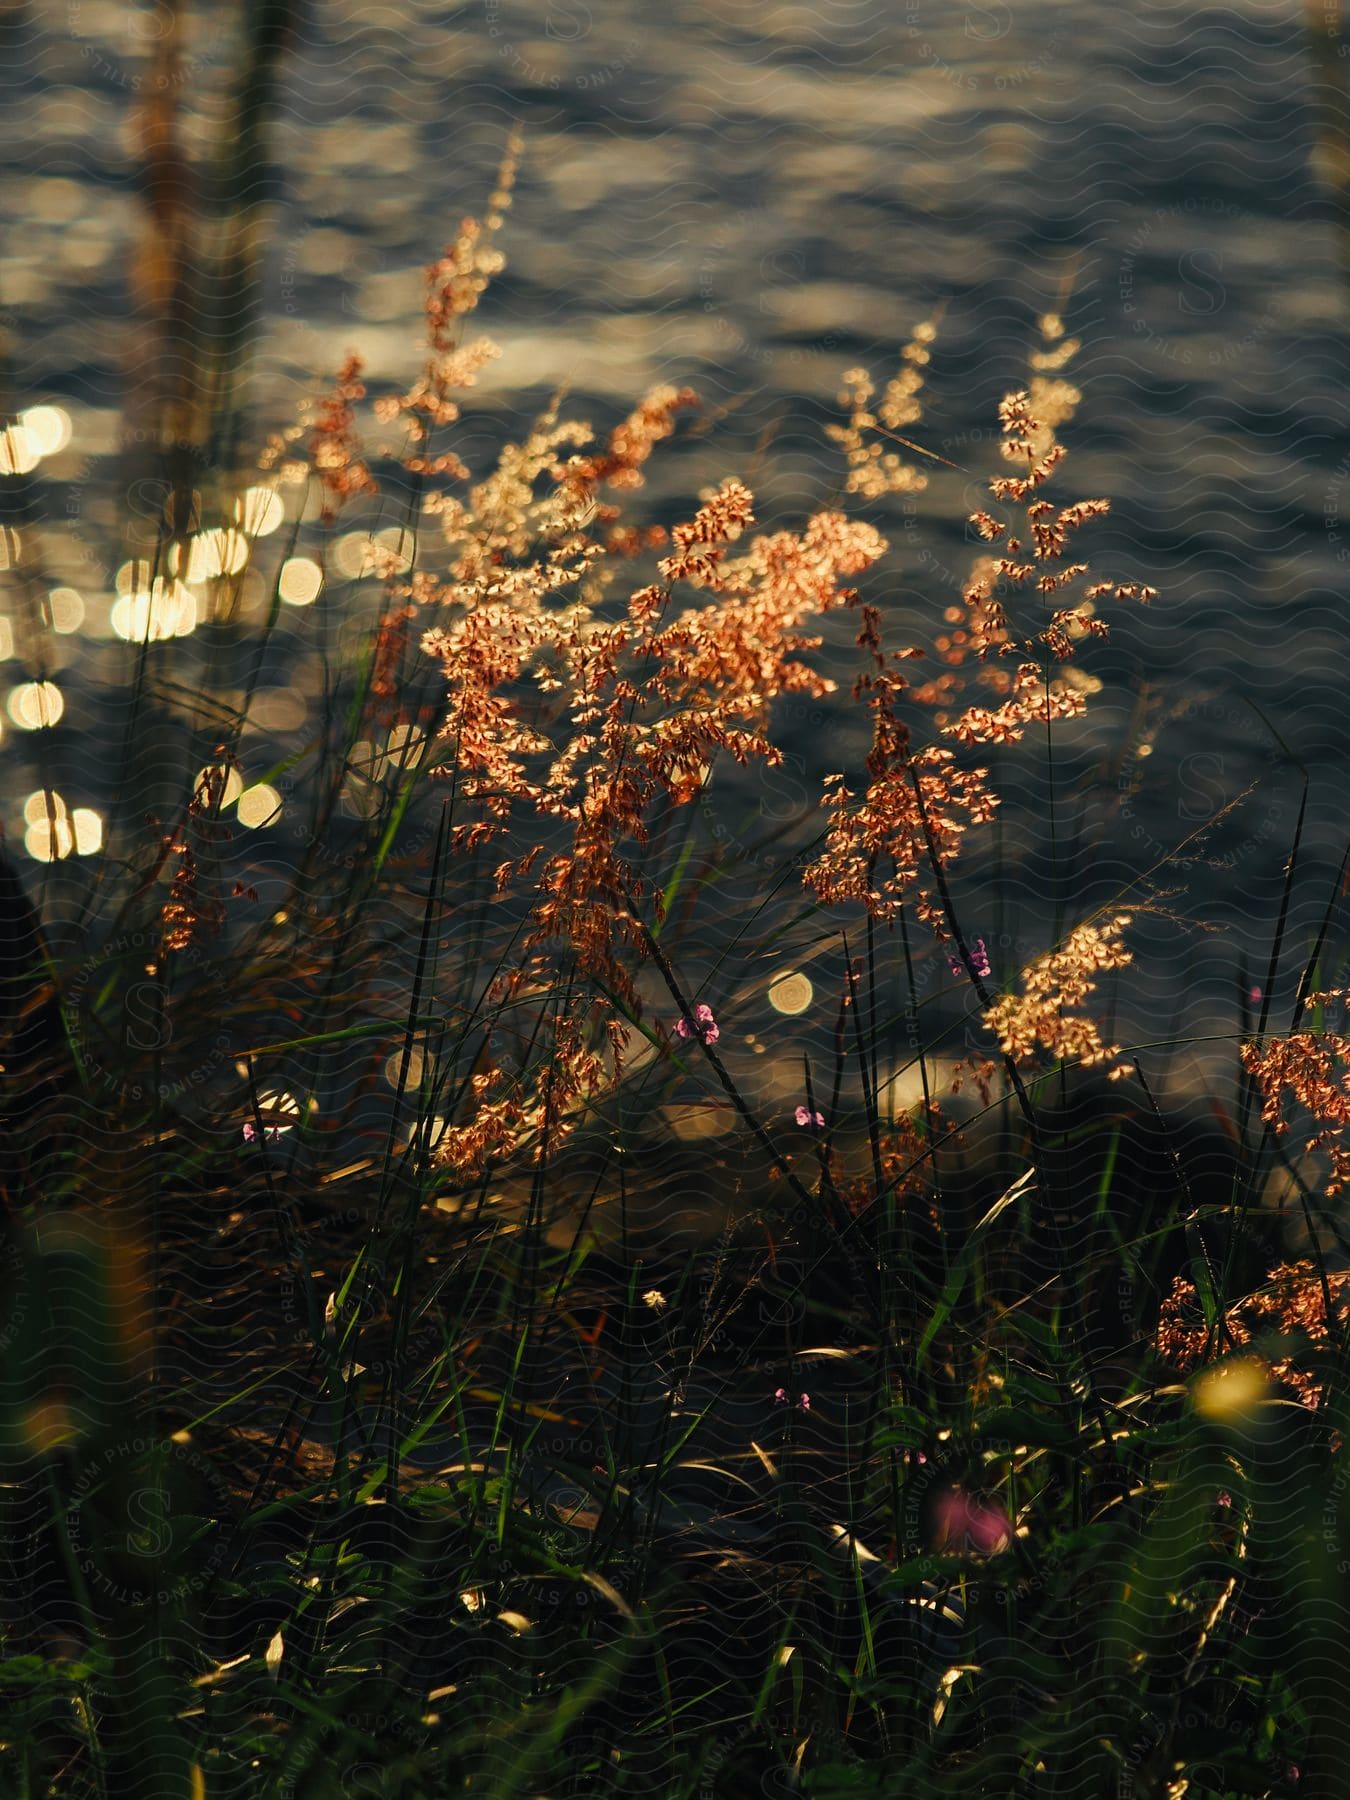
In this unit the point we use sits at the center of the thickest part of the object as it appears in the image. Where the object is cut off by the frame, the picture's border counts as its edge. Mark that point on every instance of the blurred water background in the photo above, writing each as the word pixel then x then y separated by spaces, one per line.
pixel 748 198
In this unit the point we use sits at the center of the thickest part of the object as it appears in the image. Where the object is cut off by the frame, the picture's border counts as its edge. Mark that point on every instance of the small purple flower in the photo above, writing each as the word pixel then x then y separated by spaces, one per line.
pixel 979 960
pixel 805 1117
pixel 973 1525
pixel 780 1398
pixel 270 1132
pixel 704 1026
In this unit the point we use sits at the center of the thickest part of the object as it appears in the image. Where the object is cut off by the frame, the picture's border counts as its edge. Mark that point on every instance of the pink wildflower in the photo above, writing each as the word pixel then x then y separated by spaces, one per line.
pixel 979 960
pixel 970 1525
pixel 806 1117
pixel 270 1132
pixel 704 1026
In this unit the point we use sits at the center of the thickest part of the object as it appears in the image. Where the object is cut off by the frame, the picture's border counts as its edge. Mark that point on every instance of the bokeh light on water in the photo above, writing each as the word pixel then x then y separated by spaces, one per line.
pixel 35 705
pixel 791 993
pixel 259 805
pixel 54 830
pixel 300 581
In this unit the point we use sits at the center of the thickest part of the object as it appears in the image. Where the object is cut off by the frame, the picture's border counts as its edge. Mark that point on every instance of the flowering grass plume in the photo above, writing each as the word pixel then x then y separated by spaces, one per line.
pixel 1296 1309
pixel 580 703
pixel 1029 605
pixel 1310 1071
pixel 573 711
pixel 1046 1016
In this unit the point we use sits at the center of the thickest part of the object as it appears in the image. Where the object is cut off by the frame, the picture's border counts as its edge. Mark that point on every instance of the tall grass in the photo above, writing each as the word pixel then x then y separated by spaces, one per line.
pixel 393 1405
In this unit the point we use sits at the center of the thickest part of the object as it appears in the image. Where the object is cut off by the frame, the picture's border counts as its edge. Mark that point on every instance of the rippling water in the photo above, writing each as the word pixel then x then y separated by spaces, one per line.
pixel 751 198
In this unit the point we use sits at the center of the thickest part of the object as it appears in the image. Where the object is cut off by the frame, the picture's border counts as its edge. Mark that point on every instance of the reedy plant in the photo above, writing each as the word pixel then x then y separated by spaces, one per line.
pixel 875 1583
